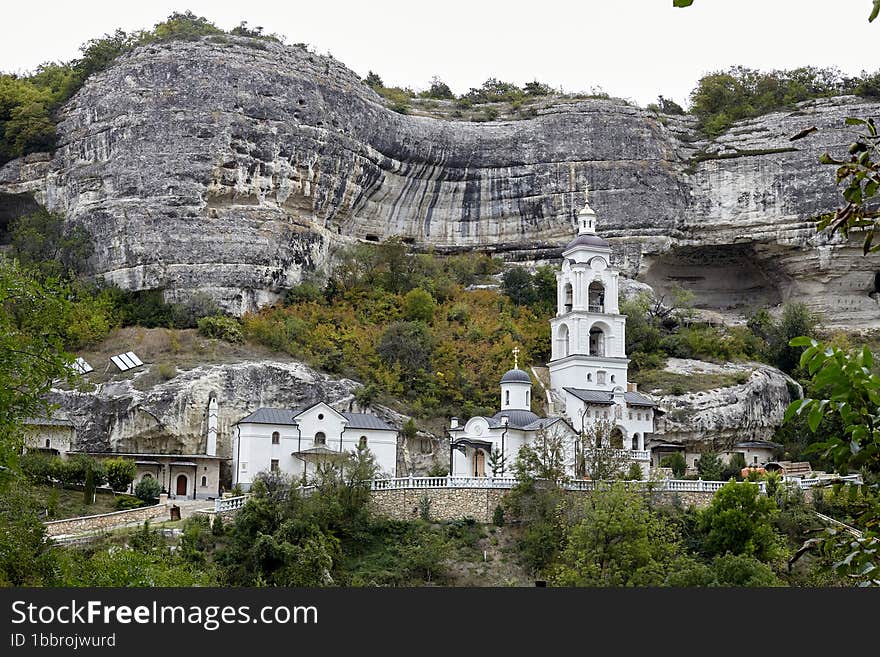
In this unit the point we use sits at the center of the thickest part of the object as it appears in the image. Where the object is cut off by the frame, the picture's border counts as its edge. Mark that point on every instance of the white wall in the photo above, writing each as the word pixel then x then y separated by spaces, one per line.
pixel 257 451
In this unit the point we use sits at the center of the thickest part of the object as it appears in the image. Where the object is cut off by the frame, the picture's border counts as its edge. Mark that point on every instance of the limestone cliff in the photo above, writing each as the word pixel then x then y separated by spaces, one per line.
pixel 721 417
pixel 233 167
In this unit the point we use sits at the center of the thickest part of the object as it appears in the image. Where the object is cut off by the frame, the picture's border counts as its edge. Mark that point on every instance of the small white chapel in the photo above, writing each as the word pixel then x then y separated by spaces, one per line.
pixel 588 374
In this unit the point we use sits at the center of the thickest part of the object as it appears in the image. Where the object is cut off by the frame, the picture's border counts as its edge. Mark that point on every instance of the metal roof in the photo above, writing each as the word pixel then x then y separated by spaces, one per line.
pixel 516 376
pixel 638 399
pixel 516 419
pixel 366 421
pixel 592 396
pixel 604 397
pixel 56 421
pixel 285 416
pixel 587 240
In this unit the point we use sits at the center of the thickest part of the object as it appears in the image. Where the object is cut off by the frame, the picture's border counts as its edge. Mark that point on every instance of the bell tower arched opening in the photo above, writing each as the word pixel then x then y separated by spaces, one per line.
pixel 596 297
pixel 562 341
pixel 569 297
pixel 597 341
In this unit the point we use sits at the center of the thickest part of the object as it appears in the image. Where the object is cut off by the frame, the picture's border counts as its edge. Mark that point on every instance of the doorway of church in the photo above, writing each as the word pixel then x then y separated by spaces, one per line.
pixel 479 463
pixel 181 485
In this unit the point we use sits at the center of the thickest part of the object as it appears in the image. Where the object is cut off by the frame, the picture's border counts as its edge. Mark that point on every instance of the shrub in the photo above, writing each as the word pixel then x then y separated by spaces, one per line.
pixel 635 472
pixel 710 466
pixel 498 516
pixel 222 328
pixel 166 371
pixel 37 467
pixel 425 507
pixel 148 489
pixel 419 306
pixel 125 502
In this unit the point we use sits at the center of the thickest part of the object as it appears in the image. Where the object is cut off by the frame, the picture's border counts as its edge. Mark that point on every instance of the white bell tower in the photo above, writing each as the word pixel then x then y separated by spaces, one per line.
pixel 588 331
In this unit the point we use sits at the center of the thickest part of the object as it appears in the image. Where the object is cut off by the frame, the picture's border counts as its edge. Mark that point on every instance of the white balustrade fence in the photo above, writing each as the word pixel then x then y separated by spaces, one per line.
pixel 222 504
pixel 662 485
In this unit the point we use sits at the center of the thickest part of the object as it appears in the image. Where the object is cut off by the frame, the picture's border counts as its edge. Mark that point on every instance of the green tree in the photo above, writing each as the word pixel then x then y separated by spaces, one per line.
pixel 32 354
pixel 439 90
pixel 373 80
pixel 676 462
pixel 617 542
pixel 710 466
pixel 739 520
pixel 409 346
pixel 26 557
pixel 419 306
pixel 120 473
pixel 517 284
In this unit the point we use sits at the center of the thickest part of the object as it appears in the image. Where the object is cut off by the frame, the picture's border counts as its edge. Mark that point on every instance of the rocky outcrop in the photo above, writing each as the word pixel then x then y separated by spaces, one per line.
pixel 232 166
pixel 721 417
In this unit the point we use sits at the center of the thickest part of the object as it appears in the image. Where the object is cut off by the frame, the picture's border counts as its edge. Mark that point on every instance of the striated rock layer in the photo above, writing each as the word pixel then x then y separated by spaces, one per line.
pixel 234 167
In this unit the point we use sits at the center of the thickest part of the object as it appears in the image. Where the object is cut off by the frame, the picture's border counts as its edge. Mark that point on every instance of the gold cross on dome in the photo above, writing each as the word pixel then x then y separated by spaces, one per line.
pixel 515 358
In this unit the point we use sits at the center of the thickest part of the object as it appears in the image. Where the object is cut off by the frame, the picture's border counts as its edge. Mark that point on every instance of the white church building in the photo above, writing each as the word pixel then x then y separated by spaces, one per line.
pixel 588 374
pixel 298 441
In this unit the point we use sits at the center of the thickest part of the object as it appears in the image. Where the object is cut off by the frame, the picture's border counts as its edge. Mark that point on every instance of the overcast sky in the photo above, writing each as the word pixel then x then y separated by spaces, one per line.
pixel 634 49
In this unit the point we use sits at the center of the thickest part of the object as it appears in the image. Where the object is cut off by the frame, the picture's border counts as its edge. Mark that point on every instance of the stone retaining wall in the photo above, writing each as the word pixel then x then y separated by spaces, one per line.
pixel 104 521
pixel 446 503
pixel 480 503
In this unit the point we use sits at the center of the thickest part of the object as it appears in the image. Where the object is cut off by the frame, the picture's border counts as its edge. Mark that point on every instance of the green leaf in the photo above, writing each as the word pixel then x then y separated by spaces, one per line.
pixel 688 3
pixel 816 414
pixel 867 357
pixel 802 341
pixel 875 11
pixel 851 120
pixel 866 247
pixel 794 408
pixel 825 158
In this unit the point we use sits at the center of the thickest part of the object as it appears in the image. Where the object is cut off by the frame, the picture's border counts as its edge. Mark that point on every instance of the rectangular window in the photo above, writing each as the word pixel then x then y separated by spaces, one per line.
pixel 244 467
pixel 274 465
pixel 600 378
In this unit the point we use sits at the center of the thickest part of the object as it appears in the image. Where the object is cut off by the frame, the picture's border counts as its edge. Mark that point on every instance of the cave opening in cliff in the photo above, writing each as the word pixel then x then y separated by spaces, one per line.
pixel 13 206
pixel 876 289
pixel 721 277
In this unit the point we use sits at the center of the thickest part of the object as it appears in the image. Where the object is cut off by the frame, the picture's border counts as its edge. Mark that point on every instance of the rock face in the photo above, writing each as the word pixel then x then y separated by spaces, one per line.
pixel 722 417
pixel 171 417
pixel 232 166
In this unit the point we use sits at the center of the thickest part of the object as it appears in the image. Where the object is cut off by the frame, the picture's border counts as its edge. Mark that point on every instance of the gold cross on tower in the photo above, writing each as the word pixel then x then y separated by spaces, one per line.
pixel 515 358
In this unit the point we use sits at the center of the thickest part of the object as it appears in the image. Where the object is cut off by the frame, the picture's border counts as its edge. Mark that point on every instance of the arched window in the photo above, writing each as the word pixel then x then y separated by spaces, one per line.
pixel 276 438
pixel 617 438
pixel 362 442
pixel 589 376
pixel 147 475
pixel 562 341
pixel 48 443
pixel 635 441
pixel 612 378
pixel 569 297
pixel 204 481
pixel 528 398
pixel 507 397
pixel 597 341
pixel 596 292
pixel 320 438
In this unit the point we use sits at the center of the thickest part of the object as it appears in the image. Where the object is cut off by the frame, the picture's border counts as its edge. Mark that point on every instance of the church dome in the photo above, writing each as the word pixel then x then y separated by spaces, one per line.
pixel 587 240
pixel 516 418
pixel 516 376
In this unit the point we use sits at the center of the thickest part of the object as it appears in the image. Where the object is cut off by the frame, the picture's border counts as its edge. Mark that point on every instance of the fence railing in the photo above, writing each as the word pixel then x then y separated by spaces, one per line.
pixel 662 485
pixel 222 504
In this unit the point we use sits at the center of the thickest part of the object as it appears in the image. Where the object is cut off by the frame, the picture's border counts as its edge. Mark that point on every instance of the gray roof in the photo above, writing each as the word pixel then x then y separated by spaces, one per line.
pixel 604 397
pixel 516 419
pixel 55 421
pixel 637 399
pixel 366 421
pixel 758 443
pixel 587 240
pixel 285 416
pixel 541 423
pixel 592 396
pixel 271 416
pixel 516 376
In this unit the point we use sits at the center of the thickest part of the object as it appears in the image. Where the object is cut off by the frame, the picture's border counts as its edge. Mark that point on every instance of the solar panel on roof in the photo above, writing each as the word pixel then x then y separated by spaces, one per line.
pixel 81 366
pixel 126 361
